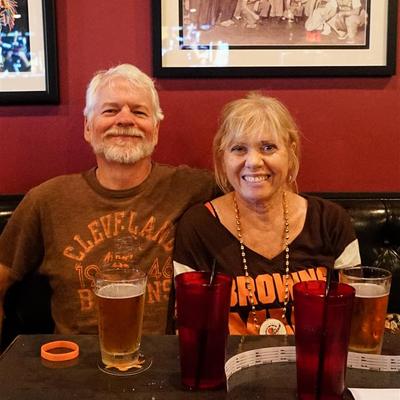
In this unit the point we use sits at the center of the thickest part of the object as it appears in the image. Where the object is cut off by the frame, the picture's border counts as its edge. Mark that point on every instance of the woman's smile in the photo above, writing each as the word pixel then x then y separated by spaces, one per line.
pixel 259 178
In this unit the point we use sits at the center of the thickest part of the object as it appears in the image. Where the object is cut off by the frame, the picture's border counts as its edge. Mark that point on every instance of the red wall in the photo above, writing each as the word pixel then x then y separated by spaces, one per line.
pixel 351 139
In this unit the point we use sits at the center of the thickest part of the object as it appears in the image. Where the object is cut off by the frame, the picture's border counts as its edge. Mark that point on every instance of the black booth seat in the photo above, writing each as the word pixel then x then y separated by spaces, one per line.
pixel 376 220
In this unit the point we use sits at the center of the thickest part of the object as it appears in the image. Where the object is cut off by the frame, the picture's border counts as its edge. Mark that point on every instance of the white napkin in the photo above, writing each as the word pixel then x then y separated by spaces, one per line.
pixel 375 394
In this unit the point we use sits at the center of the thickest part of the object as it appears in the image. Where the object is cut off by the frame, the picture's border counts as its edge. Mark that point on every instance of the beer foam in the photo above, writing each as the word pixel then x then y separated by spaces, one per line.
pixel 120 290
pixel 369 290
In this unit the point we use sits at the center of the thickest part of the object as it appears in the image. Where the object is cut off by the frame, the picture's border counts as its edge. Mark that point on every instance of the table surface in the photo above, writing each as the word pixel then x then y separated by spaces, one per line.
pixel 24 375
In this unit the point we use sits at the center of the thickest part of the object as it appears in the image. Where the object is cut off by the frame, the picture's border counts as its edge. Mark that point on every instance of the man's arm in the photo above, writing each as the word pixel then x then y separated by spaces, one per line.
pixel 6 281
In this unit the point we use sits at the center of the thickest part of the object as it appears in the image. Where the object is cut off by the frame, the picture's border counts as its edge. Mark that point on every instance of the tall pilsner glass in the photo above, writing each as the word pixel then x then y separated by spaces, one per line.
pixel 120 296
pixel 372 287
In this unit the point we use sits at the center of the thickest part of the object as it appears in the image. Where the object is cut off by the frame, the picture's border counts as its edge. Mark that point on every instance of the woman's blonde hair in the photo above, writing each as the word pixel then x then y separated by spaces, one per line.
pixel 252 116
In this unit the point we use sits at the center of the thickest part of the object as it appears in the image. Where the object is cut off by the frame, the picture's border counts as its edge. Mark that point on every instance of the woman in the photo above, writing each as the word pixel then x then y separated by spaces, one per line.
pixel 261 231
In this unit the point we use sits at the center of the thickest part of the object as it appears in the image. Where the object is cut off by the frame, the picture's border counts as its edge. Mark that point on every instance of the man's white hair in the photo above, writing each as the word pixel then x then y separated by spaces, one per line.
pixel 133 75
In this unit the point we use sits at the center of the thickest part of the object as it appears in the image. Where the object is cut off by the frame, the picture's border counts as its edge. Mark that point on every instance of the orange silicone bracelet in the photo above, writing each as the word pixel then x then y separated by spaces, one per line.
pixel 64 344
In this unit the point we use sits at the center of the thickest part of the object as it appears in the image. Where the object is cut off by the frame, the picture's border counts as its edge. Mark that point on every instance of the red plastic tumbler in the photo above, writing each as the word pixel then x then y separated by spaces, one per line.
pixel 322 339
pixel 203 312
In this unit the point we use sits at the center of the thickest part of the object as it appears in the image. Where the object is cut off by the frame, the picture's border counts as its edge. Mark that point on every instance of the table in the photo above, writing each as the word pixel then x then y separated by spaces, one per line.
pixel 24 375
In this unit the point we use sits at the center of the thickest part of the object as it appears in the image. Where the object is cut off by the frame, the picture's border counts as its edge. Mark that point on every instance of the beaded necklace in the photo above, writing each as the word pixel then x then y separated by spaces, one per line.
pixel 244 260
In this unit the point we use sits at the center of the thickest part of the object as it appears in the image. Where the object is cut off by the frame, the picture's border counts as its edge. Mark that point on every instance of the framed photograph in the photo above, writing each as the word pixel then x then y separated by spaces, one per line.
pixel 268 38
pixel 28 60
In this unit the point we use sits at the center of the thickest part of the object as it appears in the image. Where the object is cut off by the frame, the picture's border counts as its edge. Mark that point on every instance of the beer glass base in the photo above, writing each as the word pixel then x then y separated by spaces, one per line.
pixel 143 364
pixel 366 350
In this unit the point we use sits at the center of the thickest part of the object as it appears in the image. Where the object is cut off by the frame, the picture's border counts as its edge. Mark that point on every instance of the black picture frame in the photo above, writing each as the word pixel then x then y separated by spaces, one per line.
pixel 375 57
pixel 37 84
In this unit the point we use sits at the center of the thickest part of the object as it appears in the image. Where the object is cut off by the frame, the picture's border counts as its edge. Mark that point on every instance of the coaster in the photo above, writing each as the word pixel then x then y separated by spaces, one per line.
pixel 143 364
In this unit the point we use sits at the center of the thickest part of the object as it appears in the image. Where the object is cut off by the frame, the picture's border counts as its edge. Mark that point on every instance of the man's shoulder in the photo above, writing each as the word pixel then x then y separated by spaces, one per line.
pixel 184 173
pixel 187 182
pixel 56 192
pixel 183 169
pixel 59 184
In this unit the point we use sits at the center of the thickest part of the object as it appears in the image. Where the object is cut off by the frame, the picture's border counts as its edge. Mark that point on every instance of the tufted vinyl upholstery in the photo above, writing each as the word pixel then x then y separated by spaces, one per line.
pixel 376 221
pixel 375 216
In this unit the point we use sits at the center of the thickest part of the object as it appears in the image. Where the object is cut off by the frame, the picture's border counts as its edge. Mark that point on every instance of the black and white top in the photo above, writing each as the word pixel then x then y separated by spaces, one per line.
pixel 326 241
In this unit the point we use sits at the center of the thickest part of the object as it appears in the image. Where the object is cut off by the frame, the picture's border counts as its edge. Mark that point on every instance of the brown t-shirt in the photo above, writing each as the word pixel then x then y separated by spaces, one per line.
pixel 67 228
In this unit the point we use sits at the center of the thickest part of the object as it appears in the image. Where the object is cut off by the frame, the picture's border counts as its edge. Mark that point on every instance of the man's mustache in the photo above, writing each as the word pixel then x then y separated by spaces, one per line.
pixel 134 132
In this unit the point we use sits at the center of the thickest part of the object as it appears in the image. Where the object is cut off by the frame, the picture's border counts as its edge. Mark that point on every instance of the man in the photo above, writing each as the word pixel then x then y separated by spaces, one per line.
pixel 350 17
pixel 125 209
pixel 319 13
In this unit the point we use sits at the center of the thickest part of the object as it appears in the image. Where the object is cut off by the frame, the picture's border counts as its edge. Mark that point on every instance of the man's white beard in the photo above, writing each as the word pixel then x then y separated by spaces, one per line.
pixel 128 153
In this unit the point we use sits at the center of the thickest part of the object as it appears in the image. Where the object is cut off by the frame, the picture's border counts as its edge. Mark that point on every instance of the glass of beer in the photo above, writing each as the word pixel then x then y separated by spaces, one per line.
pixel 120 296
pixel 372 287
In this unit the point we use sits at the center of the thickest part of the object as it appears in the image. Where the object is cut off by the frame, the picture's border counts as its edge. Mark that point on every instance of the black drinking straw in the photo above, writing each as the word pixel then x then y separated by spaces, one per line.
pixel 203 335
pixel 212 272
pixel 320 372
